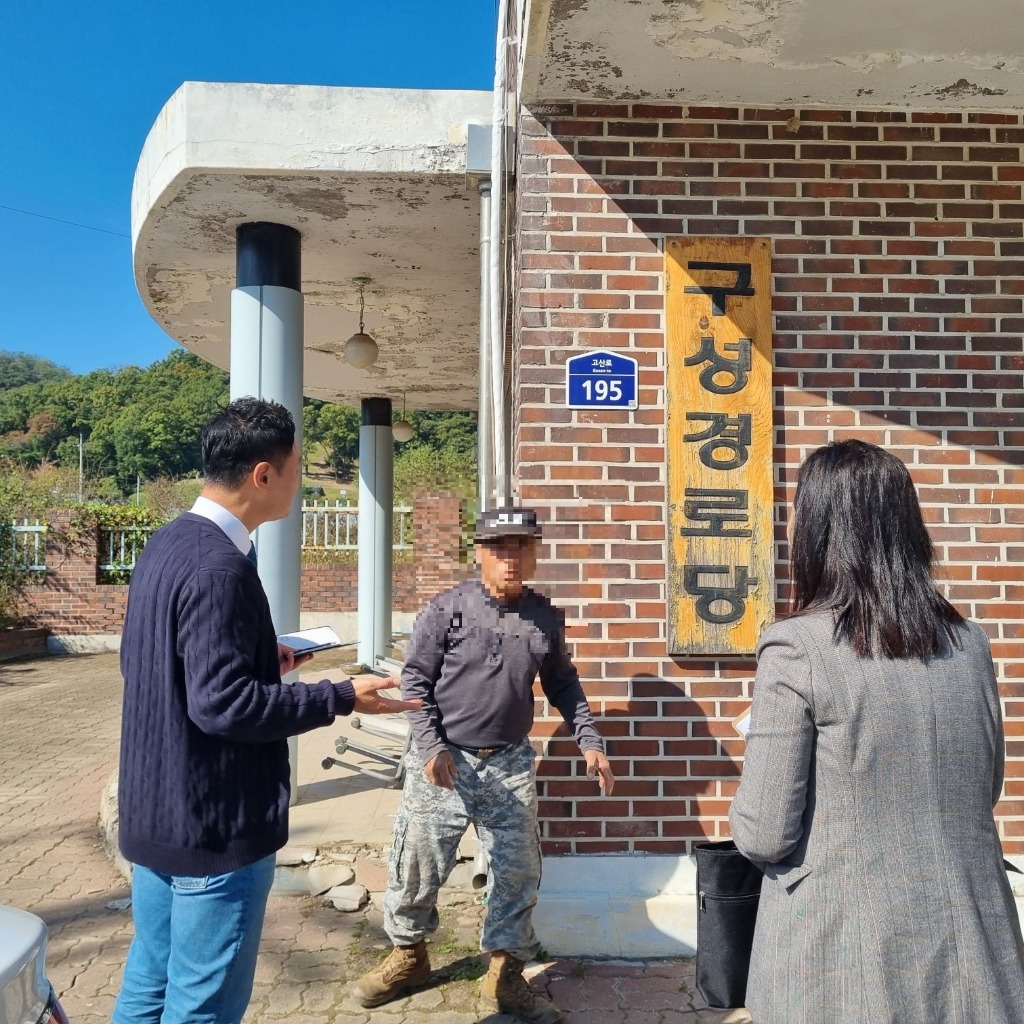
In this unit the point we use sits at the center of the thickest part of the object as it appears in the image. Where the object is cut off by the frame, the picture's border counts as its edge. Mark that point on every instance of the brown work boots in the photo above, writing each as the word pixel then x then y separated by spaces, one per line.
pixel 406 968
pixel 505 990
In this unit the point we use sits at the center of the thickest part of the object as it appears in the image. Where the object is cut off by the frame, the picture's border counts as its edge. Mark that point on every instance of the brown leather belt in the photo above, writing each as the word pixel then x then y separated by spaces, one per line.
pixel 481 752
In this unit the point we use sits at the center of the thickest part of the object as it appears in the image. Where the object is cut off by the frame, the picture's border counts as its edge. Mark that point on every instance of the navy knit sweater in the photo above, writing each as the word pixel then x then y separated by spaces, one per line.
pixel 203 785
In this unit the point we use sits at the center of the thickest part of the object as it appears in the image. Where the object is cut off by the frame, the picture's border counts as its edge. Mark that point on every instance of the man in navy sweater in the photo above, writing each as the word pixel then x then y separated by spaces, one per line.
pixel 204 780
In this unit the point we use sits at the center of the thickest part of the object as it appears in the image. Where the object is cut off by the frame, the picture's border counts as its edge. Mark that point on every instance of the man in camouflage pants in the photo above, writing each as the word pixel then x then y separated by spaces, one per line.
pixel 472 659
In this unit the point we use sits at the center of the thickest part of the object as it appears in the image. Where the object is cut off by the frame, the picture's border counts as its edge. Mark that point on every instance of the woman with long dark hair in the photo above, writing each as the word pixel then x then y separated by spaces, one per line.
pixel 874 759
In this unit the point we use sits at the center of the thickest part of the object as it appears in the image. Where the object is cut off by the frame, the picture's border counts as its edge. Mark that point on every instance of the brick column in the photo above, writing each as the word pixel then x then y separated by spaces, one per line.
pixel 437 539
pixel 65 600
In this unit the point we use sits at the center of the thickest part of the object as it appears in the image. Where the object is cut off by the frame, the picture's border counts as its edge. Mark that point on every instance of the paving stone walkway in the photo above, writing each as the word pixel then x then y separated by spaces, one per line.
pixel 59 724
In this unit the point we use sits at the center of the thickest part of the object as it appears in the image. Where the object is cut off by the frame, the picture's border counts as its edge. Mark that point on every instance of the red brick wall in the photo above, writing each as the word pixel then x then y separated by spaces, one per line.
pixel 68 601
pixel 17 642
pixel 437 530
pixel 334 587
pixel 898 294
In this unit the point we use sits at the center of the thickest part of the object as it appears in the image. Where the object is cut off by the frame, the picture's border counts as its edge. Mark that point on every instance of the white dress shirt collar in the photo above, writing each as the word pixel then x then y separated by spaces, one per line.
pixel 227 521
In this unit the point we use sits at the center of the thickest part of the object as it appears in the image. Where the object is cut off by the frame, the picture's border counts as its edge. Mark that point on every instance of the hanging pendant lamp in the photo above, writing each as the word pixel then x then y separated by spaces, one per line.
pixel 361 350
pixel 402 429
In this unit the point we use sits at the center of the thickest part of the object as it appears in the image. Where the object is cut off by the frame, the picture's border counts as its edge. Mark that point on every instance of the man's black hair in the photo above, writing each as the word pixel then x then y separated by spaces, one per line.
pixel 248 431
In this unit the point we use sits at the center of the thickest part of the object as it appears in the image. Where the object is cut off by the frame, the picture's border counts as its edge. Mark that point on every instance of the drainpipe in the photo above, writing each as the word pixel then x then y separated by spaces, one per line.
pixel 484 438
pixel 497 250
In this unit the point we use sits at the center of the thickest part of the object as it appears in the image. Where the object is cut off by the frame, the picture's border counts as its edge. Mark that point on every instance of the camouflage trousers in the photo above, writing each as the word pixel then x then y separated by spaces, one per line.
pixel 498 795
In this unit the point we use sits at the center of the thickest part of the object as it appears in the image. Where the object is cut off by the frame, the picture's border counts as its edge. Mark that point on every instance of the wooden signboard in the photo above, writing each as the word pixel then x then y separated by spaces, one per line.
pixel 721 583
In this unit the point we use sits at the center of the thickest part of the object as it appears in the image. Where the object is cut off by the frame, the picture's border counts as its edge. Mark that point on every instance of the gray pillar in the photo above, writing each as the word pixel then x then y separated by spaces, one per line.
pixel 376 515
pixel 484 440
pixel 266 361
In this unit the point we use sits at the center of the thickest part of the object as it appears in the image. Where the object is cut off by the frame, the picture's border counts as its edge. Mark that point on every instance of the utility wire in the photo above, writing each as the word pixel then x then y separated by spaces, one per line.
pixel 57 220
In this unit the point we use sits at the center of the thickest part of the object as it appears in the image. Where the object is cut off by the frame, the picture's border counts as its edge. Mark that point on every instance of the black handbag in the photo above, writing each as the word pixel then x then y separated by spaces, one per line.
pixel 728 892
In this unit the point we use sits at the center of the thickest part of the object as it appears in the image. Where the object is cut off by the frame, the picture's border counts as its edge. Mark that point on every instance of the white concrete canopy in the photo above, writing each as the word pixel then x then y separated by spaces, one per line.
pixel 373 179
pixel 924 53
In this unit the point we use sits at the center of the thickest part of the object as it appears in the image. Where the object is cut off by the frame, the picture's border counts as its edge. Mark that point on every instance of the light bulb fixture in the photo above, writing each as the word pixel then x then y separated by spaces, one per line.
pixel 403 429
pixel 361 350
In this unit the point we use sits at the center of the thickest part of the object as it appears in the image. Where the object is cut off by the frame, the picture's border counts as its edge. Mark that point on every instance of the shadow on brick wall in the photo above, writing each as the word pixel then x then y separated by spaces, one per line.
pixel 675 754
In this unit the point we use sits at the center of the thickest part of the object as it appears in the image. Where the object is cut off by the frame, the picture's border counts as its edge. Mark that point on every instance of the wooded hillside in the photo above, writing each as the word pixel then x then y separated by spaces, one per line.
pixel 145 423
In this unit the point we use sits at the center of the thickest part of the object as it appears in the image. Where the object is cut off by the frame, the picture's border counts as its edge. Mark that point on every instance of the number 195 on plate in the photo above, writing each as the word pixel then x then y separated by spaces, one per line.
pixel 601 380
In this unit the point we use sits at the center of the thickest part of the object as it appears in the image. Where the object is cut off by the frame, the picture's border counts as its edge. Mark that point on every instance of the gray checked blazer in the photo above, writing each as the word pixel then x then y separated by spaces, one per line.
pixel 867 796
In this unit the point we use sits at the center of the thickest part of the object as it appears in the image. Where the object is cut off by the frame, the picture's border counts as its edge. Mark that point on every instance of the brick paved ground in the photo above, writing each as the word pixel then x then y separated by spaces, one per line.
pixel 60 720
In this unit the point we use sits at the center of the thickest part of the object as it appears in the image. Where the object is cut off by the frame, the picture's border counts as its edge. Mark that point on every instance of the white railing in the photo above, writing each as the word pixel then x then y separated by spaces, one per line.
pixel 334 526
pixel 28 545
pixel 122 546
pixel 326 526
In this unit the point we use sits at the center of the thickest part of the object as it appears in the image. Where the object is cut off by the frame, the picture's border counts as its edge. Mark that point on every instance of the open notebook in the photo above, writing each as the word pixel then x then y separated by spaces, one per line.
pixel 309 641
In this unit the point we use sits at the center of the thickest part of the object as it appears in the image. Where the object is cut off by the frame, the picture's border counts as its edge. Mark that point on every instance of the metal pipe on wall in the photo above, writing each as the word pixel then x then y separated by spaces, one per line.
pixel 484 438
pixel 497 305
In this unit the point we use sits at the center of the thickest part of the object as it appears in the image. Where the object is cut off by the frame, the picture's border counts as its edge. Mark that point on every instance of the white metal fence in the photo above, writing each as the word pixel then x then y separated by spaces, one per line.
pixel 28 545
pixel 122 547
pixel 326 526
pixel 333 526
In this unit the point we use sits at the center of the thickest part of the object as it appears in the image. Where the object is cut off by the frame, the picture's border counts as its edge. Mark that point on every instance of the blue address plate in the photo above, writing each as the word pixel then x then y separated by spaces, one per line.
pixel 601 380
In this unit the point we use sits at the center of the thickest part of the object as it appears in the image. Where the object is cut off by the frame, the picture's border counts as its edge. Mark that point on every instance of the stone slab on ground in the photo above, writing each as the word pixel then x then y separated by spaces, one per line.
pixel 347 898
pixel 321 877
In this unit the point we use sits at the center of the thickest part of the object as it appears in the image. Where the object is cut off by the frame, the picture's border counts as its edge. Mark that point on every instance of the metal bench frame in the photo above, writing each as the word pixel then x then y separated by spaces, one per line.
pixel 393 727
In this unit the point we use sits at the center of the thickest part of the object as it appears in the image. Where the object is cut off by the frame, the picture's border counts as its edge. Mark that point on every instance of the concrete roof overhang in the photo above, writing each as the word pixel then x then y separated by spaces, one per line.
pixel 373 179
pixel 776 52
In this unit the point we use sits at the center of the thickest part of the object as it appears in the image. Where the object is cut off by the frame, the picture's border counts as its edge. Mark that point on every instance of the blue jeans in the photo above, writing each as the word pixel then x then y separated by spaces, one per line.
pixel 193 957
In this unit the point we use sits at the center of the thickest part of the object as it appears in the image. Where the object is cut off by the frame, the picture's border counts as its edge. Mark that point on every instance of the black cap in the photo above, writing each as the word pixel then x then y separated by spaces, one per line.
pixel 509 521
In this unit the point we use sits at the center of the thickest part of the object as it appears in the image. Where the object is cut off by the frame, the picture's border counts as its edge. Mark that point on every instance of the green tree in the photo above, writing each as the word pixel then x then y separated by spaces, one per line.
pixel 19 368
pixel 312 432
pixel 134 421
pixel 146 442
pixel 443 431
pixel 147 422
pixel 423 468
pixel 338 427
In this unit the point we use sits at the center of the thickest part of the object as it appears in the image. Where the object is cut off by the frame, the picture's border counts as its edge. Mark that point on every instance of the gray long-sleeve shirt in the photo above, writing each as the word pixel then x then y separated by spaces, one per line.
pixel 472 661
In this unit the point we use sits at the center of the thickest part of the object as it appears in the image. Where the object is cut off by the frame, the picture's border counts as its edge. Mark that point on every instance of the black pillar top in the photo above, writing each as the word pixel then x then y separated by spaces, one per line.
pixel 376 412
pixel 268 254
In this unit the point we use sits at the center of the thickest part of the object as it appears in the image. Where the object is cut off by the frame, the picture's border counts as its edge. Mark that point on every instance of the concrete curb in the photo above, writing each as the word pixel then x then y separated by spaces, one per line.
pixel 108 828
pixel 86 644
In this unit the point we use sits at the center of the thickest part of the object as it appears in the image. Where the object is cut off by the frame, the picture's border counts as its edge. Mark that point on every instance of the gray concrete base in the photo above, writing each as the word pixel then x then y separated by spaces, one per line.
pixel 1016 877
pixel 92 644
pixel 618 906
pixel 633 905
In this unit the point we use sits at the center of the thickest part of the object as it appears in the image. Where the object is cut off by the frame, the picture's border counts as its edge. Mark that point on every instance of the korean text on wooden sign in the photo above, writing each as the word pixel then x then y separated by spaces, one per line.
pixel 721 588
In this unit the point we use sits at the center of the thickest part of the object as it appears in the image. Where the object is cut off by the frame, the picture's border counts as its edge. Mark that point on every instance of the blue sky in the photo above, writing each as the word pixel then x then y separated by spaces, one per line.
pixel 80 87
